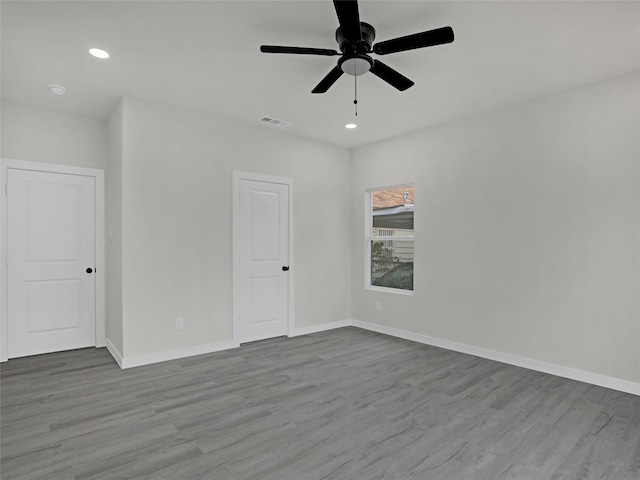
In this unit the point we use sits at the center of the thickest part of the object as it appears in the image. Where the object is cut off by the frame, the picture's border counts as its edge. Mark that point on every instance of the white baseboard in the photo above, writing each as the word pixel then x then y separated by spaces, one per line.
pixel 115 353
pixel 140 360
pixel 558 370
pixel 550 368
pixel 321 327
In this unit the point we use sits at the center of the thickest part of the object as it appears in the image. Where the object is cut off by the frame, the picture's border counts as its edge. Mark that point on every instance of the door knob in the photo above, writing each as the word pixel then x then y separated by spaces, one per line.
pixel 285 269
pixel 89 270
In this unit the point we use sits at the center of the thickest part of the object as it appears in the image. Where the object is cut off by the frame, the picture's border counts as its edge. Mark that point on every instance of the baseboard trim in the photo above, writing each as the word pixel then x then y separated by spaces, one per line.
pixel 140 360
pixel 553 369
pixel 321 327
pixel 115 353
pixel 544 367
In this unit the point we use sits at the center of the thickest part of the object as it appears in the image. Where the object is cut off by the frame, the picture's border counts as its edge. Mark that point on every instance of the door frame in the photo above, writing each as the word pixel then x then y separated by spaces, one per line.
pixel 98 175
pixel 237 177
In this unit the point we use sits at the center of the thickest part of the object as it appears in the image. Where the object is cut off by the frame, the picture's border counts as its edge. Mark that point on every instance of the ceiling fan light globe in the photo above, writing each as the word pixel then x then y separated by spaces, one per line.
pixel 356 65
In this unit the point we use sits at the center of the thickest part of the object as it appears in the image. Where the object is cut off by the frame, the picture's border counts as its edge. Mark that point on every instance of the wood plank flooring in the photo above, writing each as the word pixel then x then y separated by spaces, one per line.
pixel 346 404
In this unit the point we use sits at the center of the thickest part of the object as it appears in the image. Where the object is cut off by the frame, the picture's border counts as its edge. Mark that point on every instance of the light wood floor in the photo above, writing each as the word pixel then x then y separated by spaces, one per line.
pixel 343 405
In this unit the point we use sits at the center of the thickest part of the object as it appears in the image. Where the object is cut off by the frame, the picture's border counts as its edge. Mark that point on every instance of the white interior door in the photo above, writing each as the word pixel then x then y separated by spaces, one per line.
pixel 51 262
pixel 263 297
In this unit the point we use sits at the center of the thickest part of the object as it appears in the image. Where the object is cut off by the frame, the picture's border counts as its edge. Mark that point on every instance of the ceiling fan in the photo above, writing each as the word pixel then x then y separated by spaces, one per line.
pixel 355 39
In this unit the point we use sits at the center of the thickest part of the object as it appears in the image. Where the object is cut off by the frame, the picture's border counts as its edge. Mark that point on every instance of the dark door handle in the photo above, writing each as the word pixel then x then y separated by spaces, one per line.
pixel 89 270
pixel 285 269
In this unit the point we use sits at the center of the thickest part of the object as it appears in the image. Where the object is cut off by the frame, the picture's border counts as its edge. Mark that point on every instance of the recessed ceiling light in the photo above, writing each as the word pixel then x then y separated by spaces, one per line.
pixel 57 89
pixel 350 125
pixel 96 52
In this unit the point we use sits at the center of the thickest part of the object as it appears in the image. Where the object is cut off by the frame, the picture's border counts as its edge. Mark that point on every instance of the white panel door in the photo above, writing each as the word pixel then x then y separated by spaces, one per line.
pixel 264 251
pixel 51 262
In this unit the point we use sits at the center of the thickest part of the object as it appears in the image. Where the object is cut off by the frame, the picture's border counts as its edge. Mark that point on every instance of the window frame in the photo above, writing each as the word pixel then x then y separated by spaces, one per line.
pixel 369 238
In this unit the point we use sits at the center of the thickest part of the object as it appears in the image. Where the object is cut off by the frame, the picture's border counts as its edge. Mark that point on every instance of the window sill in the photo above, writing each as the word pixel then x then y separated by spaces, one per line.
pixel 397 291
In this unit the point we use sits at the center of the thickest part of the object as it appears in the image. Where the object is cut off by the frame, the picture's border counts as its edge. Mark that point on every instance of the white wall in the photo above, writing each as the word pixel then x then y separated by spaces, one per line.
pixel 527 223
pixel 114 326
pixel 169 214
pixel 527 229
pixel 176 223
pixel 41 135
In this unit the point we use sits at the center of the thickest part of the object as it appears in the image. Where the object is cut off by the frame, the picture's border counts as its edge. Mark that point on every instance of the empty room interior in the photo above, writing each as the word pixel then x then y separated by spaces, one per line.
pixel 320 240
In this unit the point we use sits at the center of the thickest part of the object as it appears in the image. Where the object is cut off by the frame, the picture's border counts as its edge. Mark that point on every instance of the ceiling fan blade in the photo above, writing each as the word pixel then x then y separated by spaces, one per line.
pixel 389 75
pixel 349 18
pixel 297 50
pixel 430 38
pixel 327 81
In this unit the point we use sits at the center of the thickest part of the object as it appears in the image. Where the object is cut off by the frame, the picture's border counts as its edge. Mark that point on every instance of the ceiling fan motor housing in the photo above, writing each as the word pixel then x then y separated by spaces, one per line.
pixel 355 60
pixel 357 46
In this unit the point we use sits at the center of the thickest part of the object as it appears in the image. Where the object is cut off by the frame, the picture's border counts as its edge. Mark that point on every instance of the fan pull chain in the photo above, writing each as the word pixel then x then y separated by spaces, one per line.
pixel 355 101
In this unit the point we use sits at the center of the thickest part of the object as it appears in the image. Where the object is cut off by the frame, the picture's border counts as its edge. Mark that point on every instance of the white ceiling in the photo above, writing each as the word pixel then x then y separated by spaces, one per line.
pixel 205 55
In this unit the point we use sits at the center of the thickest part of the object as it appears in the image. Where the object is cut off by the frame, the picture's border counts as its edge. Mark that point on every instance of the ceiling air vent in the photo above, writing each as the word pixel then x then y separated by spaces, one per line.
pixel 274 121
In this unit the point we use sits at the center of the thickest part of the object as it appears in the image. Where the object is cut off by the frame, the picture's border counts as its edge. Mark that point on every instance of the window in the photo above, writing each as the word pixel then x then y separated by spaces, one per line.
pixel 389 247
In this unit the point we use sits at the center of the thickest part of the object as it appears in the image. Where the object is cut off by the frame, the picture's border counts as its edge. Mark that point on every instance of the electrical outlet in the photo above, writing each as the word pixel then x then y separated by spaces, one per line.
pixel 378 305
pixel 179 323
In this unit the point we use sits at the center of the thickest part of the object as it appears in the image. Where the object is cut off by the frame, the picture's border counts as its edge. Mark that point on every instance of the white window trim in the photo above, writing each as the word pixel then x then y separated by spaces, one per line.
pixel 368 227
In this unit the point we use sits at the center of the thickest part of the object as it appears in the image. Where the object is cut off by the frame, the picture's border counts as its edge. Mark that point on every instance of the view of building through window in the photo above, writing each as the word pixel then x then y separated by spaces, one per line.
pixel 390 242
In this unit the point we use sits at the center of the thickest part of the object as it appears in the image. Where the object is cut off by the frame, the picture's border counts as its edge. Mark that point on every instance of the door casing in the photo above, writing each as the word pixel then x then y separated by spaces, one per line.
pixel 99 239
pixel 237 177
